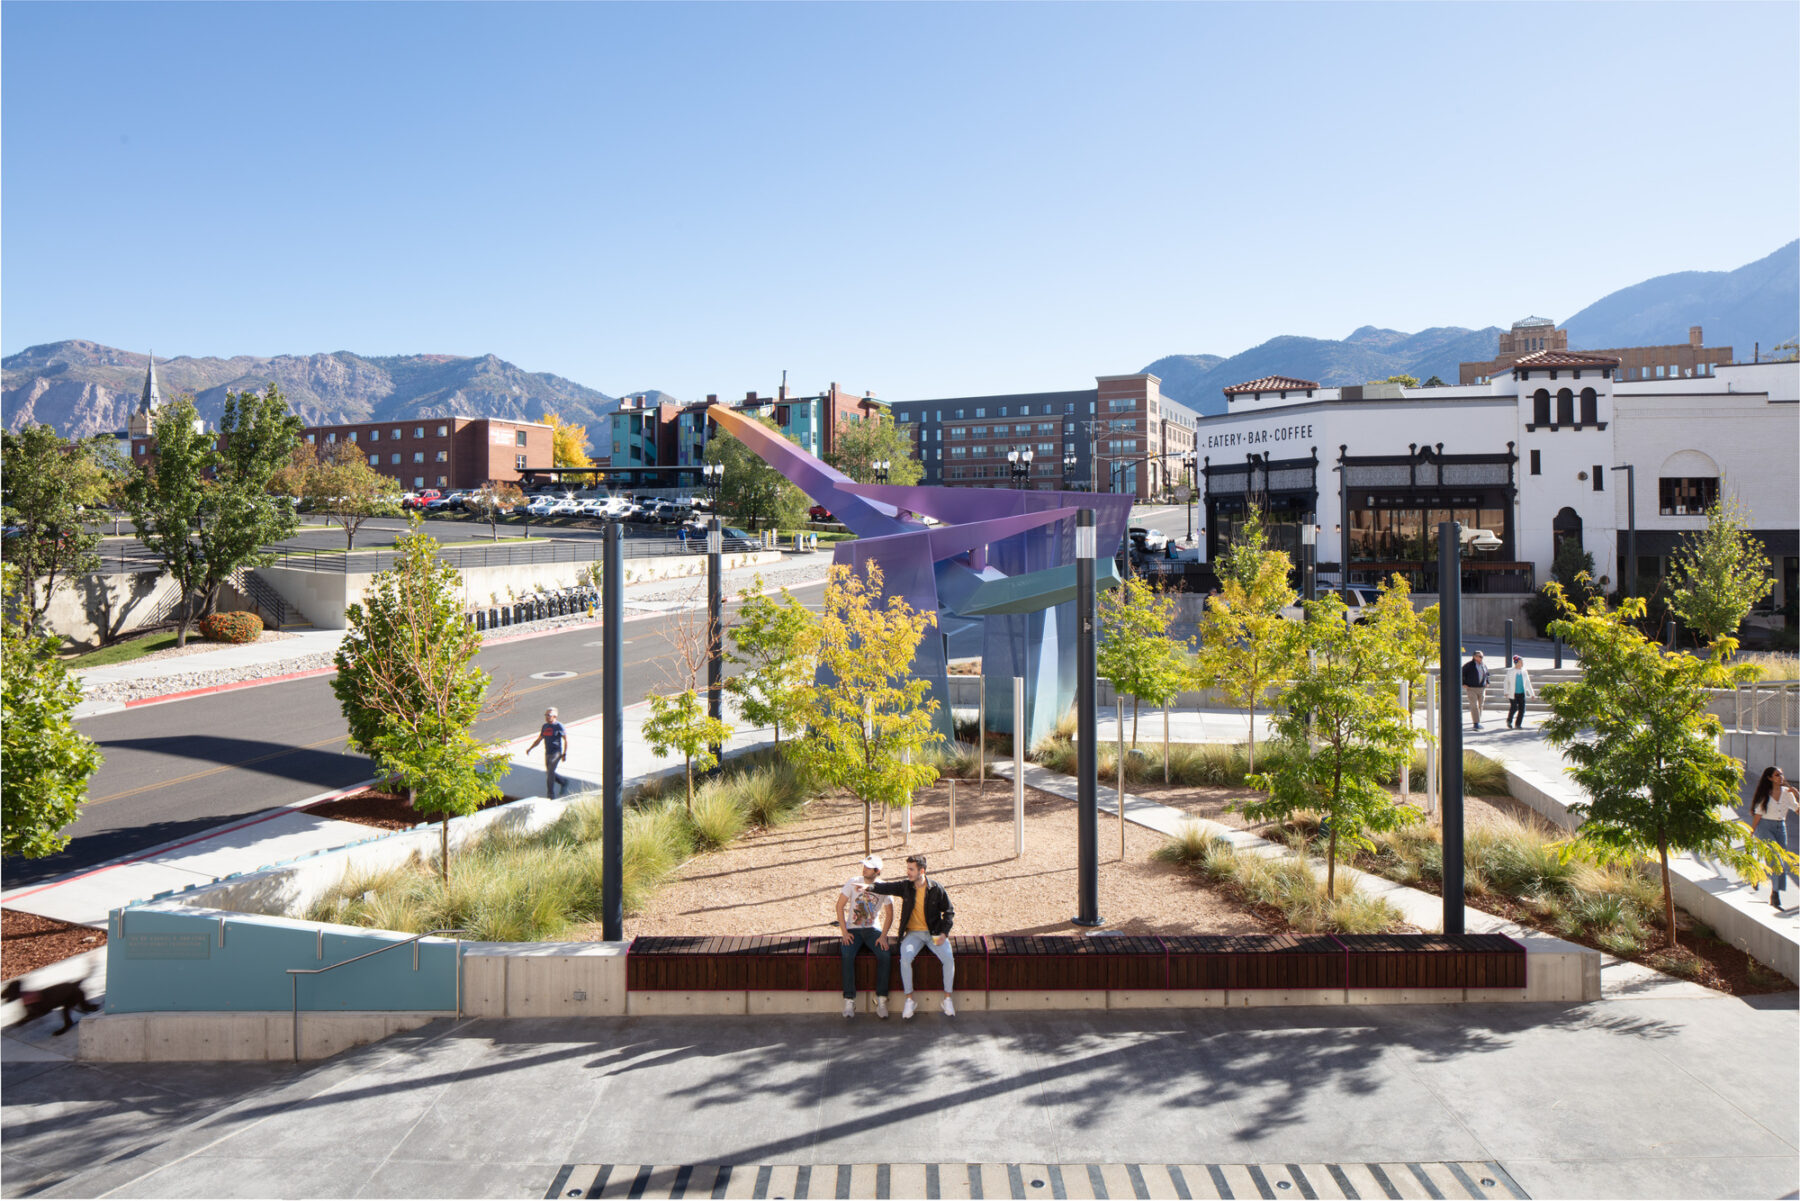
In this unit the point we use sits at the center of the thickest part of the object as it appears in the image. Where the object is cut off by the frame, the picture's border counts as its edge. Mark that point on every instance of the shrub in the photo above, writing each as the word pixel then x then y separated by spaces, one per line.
pixel 236 626
pixel 1286 883
pixel 718 815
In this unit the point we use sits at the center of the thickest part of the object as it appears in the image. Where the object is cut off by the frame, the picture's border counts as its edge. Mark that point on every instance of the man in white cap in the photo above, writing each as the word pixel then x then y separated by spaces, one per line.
pixel 864 919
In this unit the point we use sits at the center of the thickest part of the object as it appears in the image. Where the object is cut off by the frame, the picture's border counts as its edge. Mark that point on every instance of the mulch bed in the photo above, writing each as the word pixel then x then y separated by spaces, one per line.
pixel 381 809
pixel 1699 955
pixel 29 942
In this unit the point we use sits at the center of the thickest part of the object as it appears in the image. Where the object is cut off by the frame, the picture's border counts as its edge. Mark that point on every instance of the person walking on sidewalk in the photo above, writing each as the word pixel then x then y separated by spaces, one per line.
pixel 858 908
pixel 1475 682
pixel 926 916
pixel 1518 689
pixel 1770 804
pixel 556 748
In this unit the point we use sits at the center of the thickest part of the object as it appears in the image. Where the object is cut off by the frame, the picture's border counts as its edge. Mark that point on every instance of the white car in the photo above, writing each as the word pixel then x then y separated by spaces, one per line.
pixel 566 507
pixel 541 506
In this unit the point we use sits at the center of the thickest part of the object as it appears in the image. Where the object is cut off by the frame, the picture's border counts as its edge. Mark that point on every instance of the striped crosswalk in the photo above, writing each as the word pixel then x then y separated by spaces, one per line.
pixel 1028 1182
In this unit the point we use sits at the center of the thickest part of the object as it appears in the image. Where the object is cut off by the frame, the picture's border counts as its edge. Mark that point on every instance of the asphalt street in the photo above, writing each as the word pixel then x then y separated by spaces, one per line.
pixel 178 768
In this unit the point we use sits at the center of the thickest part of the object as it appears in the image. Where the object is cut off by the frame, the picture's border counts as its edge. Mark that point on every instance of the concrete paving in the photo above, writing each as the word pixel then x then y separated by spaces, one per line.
pixel 1616 1099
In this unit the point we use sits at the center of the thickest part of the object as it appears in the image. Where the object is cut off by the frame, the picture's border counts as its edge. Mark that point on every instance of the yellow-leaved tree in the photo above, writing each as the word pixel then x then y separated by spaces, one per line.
pixel 867 718
pixel 1246 645
pixel 568 446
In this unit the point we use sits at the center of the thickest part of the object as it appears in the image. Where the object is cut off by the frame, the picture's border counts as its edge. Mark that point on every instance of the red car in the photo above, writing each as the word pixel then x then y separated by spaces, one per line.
pixel 819 513
pixel 421 500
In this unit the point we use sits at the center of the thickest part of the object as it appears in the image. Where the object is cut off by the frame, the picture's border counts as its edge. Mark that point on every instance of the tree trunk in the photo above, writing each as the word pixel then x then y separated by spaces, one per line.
pixel 1331 865
pixel 444 846
pixel 1134 722
pixel 1252 732
pixel 1662 847
pixel 868 823
pixel 690 785
pixel 349 537
pixel 187 615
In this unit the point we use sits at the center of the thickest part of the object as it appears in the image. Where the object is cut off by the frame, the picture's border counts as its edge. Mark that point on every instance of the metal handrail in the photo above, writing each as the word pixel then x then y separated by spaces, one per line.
pixel 294 973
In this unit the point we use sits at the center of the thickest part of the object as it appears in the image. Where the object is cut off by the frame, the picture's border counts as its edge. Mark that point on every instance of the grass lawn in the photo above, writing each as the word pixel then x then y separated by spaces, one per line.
pixel 125 652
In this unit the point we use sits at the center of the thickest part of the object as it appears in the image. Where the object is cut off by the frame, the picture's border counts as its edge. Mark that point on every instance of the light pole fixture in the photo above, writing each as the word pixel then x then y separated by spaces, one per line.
pixel 1069 462
pixel 1019 466
pixel 882 467
pixel 1187 469
pixel 1309 557
pixel 1452 537
pixel 712 474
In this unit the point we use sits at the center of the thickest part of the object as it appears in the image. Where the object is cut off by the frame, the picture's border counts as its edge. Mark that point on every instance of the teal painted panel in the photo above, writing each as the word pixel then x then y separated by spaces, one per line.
pixel 1035 590
pixel 159 962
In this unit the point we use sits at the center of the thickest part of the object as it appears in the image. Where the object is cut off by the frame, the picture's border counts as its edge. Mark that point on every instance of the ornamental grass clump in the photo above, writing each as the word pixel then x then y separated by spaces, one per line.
pixel 1283 882
pixel 717 816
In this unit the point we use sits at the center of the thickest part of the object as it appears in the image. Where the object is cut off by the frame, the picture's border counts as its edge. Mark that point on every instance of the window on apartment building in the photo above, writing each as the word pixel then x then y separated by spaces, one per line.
pixel 957 452
pixel 140 445
pixel 1046 448
pixel 978 431
pixel 519 438
pixel 1045 427
pixel 312 438
pixel 1069 407
pixel 394 459
pixel 1565 407
pixel 374 435
pixel 1024 410
pixel 519 462
pixel 443 431
pixel 978 451
pixel 1124 405
pixel 959 431
pixel 374 460
pixel 980 413
pixel 1590 407
pixel 418 431
pixel 1002 410
pixel 959 414
pixel 1537 462
pixel 331 437
pixel 351 435
pixel 443 481
pixel 418 481
pixel 418 456
pixel 1599 478
pixel 443 456
pixel 1686 496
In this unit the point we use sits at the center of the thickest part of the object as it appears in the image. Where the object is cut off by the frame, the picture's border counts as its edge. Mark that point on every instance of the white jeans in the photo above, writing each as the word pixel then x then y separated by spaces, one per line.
pixel 909 950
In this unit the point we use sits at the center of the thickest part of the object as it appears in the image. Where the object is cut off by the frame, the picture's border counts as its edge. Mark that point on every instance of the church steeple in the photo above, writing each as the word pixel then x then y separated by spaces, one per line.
pixel 142 420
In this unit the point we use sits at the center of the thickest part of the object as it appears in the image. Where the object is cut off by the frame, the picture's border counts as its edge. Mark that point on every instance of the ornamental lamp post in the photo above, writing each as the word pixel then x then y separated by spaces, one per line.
pixel 881 467
pixel 1452 537
pixel 1628 577
pixel 1069 462
pixel 1187 469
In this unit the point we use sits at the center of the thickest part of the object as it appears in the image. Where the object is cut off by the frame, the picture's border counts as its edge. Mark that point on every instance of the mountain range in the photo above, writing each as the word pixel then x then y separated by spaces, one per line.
pixel 1756 303
pixel 84 388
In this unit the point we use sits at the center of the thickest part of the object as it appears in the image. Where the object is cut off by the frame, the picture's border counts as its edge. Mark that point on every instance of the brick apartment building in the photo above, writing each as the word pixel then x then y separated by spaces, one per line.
pixel 1687 360
pixel 445 452
pixel 1122 435
pixel 667 434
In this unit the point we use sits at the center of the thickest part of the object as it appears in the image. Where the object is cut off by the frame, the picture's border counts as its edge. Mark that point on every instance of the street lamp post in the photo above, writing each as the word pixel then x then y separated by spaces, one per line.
pixel 712 475
pixel 882 467
pixel 1019 465
pixel 1187 466
pixel 1087 749
pixel 1069 462
pixel 1309 559
pixel 1451 539
pixel 1628 577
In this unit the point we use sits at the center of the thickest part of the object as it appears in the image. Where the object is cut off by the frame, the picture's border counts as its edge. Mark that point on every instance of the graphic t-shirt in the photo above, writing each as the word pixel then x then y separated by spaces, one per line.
pixel 553 735
pixel 863 907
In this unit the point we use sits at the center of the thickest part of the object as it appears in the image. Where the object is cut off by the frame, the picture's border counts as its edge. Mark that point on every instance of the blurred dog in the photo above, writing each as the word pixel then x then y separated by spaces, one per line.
pixel 67 997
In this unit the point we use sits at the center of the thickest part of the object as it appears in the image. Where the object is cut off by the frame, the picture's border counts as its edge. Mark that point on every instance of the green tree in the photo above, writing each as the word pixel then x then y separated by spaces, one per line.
pixel 166 499
pixel 46 481
pixel 1404 645
pixel 1245 557
pixel 1246 645
pixel 1434 382
pixel 1718 574
pixel 1136 653
pixel 45 763
pixel 757 494
pixel 341 487
pixel 1405 381
pixel 867 715
pixel 409 687
pixel 1645 749
pixel 1572 571
pixel 680 722
pixel 239 514
pixel 860 444
pixel 494 498
pixel 769 644
pixel 1345 735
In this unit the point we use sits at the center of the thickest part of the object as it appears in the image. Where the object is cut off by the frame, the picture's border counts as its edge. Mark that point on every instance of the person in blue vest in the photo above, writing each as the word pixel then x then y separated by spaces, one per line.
pixel 556 748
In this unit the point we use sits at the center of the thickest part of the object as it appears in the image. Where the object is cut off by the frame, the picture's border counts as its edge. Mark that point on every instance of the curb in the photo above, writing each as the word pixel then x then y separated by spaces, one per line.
pixel 232 687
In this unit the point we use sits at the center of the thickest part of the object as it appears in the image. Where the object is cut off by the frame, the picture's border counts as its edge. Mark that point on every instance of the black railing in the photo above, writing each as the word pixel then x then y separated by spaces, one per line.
pixel 557 550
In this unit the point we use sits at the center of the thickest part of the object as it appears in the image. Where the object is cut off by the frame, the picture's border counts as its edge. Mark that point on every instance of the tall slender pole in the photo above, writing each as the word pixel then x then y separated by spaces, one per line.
pixel 1344 526
pixel 715 624
pixel 1018 745
pixel 1628 577
pixel 612 738
pixel 1508 660
pixel 1119 765
pixel 1450 774
pixel 1087 801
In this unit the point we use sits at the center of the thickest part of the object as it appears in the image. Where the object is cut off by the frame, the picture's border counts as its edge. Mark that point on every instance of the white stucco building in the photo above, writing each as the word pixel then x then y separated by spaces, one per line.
pixel 1534 455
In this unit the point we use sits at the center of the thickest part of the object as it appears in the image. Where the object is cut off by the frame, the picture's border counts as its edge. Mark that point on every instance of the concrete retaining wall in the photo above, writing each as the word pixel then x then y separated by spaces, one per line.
pixel 93 608
pixel 324 595
pixel 190 1037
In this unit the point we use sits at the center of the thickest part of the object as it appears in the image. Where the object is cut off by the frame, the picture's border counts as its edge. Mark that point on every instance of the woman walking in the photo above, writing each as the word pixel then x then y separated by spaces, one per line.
pixel 1770 804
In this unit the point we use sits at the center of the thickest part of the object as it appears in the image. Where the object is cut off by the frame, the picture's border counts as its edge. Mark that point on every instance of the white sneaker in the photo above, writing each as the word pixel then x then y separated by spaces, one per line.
pixel 849 1009
pixel 909 1009
pixel 949 1007
pixel 881 1007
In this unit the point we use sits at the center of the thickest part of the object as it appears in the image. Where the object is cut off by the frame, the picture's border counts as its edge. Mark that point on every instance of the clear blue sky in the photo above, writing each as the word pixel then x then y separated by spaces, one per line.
pixel 917 199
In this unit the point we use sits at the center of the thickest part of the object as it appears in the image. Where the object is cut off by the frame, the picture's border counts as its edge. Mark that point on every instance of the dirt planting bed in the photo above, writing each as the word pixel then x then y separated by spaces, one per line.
pixel 381 809
pixel 29 942
pixel 786 880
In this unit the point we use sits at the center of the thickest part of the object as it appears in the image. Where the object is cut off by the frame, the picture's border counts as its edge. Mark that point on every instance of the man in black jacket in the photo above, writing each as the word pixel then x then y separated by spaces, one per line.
pixel 926 916
pixel 1475 682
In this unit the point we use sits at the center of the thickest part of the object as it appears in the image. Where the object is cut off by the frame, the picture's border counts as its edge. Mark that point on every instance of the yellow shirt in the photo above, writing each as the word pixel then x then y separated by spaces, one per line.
pixel 917 920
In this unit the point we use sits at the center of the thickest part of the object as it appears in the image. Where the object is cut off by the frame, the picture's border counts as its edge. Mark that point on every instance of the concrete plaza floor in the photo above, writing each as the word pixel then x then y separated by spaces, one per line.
pixel 1646 1098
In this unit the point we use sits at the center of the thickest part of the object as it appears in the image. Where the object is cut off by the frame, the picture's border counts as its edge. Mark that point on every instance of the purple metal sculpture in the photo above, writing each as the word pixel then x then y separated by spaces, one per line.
pixel 1002 558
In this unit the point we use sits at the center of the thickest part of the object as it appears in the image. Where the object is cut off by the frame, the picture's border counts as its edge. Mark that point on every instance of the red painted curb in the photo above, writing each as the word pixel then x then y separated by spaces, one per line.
pixel 193 692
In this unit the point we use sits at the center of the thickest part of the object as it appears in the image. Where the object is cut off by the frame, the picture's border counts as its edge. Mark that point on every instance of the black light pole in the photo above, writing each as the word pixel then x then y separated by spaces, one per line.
pixel 1087 746
pixel 882 468
pixel 715 627
pixel 1187 471
pixel 1069 462
pixel 1450 768
pixel 1343 471
pixel 612 737
pixel 1628 580
pixel 1309 559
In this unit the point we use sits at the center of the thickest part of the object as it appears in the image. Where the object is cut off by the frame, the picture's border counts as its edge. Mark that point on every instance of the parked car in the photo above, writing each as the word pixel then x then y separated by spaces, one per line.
pixel 418 501
pixel 568 506
pixel 1148 540
pixel 540 506
pixel 819 513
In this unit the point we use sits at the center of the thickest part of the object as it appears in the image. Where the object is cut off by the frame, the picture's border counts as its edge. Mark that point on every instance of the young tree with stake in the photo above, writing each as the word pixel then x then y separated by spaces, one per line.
pixel 1135 654
pixel 344 489
pixel 769 643
pixel 1245 643
pixel 867 716
pixel 1646 750
pixel 680 719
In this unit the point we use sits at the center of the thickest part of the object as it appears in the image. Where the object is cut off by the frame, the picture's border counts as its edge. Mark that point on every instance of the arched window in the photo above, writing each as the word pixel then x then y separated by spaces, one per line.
pixel 1540 407
pixel 1590 407
pixel 1565 407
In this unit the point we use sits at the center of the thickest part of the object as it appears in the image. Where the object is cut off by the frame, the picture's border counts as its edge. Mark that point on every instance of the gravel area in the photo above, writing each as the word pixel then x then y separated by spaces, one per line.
pixel 785 880
pixel 187 681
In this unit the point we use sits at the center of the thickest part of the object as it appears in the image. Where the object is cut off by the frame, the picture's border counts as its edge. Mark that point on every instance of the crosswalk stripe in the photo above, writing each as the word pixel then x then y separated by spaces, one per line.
pixel 1427 1181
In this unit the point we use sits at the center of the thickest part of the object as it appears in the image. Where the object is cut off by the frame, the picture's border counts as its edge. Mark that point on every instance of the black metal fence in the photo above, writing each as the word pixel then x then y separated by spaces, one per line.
pixel 515 554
